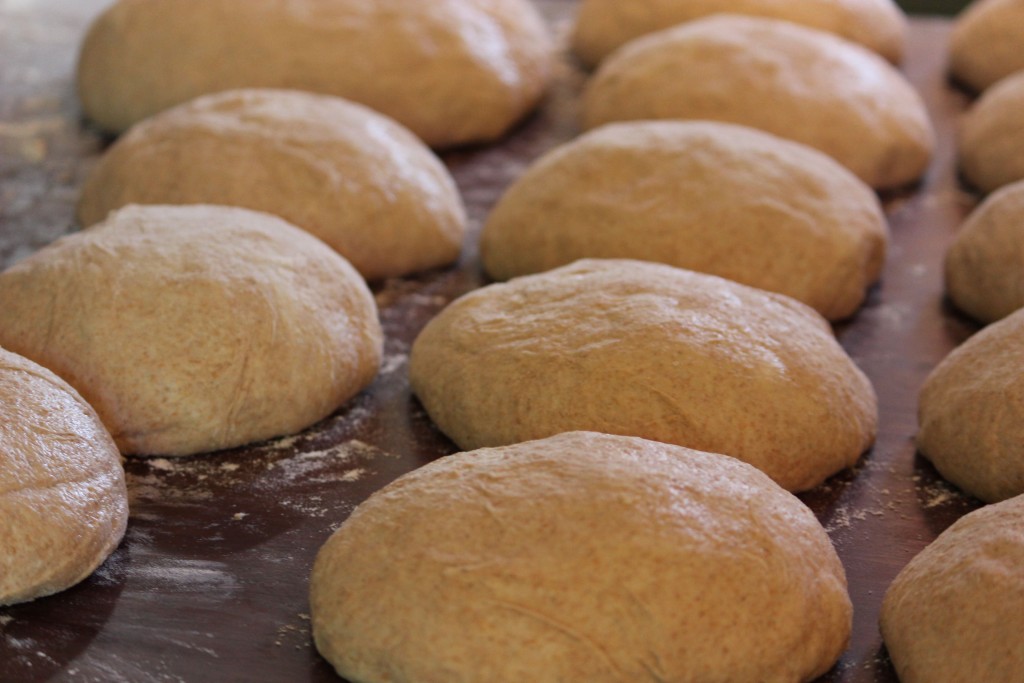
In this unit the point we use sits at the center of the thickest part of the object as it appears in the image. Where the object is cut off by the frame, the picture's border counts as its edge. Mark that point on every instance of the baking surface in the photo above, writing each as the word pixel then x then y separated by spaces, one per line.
pixel 211 580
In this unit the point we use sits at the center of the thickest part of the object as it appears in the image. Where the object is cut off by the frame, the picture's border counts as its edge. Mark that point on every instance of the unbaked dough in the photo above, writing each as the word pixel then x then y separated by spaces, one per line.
pixel 604 25
pixel 796 82
pixel 354 178
pixel 452 71
pixel 63 502
pixel 954 613
pixel 582 557
pixel 987 42
pixel 644 349
pixel 991 144
pixel 714 197
pixel 194 328
pixel 971 412
pixel 985 263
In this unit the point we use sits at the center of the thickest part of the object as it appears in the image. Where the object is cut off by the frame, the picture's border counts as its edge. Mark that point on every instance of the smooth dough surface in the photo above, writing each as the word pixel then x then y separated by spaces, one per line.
pixel 796 82
pixel 354 178
pixel 644 349
pixel 985 264
pixel 604 25
pixel 991 143
pixel 987 42
pixel 195 328
pixel 581 557
pixel 954 613
pixel 63 502
pixel 452 71
pixel 971 412
pixel 713 197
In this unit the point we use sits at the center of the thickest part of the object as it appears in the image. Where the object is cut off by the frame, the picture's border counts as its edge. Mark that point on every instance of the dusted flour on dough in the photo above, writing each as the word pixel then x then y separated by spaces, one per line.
pixel 713 197
pixel 581 557
pixel 796 82
pixel 63 502
pixel 954 613
pixel 195 328
pixel 452 71
pixel 359 181
pixel 644 349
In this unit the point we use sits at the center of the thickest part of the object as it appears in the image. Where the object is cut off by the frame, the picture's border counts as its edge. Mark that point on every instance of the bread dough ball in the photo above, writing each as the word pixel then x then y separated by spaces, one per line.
pixel 581 557
pixel 604 25
pixel 63 502
pixel 991 144
pixel 714 197
pixel 954 613
pixel 971 412
pixel 987 42
pixel 194 328
pixel 357 180
pixel 985 263
pixel 798 83
pixel 452 71
pixel 644 349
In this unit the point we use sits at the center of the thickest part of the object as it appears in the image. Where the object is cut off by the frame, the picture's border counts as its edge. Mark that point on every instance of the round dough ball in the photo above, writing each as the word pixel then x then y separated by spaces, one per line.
pixel 954 613
pixel 985 263
pixel 644 349
pixel 796 82
pixel 714 197
pixel 604 25
pixel 63 502
pixel 195 328
pixel 987 43
pixel 357 180
pixel 971 412
pixel 581 557
pixel 452 71
pixel 991 144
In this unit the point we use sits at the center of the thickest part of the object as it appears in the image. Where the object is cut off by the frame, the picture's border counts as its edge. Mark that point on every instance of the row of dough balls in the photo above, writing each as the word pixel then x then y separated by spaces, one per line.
pixel 787 347
pixel 954 612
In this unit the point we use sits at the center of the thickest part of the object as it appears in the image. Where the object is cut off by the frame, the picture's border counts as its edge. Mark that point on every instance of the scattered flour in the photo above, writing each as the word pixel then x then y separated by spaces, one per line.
pixel 5 619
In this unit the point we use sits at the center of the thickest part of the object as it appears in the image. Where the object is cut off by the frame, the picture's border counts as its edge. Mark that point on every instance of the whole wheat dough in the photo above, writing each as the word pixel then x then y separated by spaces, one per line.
pixel 985 263
pixel 987 42
pixel 581 557
pixel 357 180
pixel 971 412
pixel 452 71
pixel 954 613
pixel 194 328
pixel 63 502
pixel 796 82
pixel 714 197
pixel 991 143
pixel 644 349
pixel 602 26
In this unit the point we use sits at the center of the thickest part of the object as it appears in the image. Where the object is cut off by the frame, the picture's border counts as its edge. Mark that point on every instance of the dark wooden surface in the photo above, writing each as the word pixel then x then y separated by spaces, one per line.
pixel 210 583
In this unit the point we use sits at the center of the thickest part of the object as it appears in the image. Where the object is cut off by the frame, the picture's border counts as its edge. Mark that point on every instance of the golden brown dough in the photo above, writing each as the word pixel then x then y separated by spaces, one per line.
pixel 195 328
pixel 991 143
pixel 987 43
pixel 452 71
pixel 354 178
pixel 796 82
pixel 581 557
pixel 605 25
pixel 985 264
pixel 713 197
pixel 954 613
pixel 644 349
pixel 971 412
pixel 63 502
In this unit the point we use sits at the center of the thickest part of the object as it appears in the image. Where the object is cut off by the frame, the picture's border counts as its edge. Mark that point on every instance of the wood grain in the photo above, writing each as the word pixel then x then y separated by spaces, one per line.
pixel 210 582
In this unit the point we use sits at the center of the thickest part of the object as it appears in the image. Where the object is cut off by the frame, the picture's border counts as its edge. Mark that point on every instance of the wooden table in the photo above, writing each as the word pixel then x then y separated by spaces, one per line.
pixel 210 583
